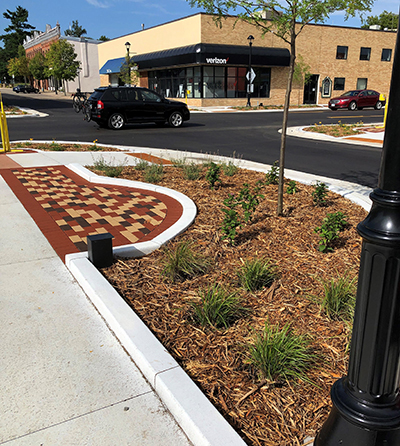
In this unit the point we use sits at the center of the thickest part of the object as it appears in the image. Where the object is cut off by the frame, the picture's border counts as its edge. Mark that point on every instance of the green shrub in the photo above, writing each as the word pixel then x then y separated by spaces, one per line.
pixel 332 224
pixel 142 165
pixel 229 169
pixel 217 307
pixel 272 176
pixel 281 355
pixel 212 175
pixel 256 274
pixel 191 171
pixel 154 173
pixel 231 220
pixel 249 201
pixel 291 187
pixel 319 194
pixel 181 263
pixel 339 298
pixel 56 147
pixel 108 167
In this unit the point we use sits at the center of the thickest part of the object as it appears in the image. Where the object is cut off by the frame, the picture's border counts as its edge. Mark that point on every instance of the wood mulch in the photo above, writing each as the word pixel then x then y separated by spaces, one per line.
pixel 71 147
pixel 270 414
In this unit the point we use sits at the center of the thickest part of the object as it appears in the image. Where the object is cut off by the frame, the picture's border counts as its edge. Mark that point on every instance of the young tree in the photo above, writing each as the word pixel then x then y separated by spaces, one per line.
pixel 287 19
pixel 386 20
pixel 16 32
pixel 37 67
pixel 104 38
pixel 19 66
pixel 75 30
pixel 128 72
pixel 61 61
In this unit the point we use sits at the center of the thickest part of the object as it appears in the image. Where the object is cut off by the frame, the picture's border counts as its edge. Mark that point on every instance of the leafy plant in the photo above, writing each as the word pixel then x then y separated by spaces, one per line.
pixel 291 187
pixel 281 355
pixel 212 175
pixel 179 162
pixel 249 201
pixel 56 147
pixel 191 171
pixel 95 147
pixel 320 193
pixel 272 176
pixel 153 173
pixel 229 169
pixel 181 263
pixel 339 298
pixel 108 167
pixel 332 224
pixel 217 307
pixel 142 164
pixel 231 220
pixel 256 274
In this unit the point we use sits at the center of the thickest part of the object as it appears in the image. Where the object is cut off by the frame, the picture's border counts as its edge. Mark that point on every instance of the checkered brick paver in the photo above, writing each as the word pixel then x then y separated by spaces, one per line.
pixel 62 202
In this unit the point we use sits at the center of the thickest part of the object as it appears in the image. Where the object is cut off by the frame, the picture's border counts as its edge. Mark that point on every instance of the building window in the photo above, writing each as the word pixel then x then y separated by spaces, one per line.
pixel 341 52
pixel 338 83
pixel 209 82
pixel 362 83
pixel 386 55
pixel 365 53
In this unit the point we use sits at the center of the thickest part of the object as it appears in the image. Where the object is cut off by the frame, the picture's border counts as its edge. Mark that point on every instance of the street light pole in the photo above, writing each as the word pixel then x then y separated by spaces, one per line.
pixel 366 402
pixel 250 39
pixel 128 46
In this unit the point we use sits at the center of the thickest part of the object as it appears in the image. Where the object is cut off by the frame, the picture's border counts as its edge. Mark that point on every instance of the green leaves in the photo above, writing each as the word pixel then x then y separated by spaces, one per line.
pixel 61 61
pixel 332 224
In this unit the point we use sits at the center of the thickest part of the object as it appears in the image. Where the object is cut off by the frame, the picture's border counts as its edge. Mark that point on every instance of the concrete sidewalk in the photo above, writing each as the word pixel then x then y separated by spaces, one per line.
pixel 78 366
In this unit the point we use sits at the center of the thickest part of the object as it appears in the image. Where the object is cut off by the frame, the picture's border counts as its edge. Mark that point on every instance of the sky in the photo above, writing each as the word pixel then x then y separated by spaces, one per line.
pixel 116 18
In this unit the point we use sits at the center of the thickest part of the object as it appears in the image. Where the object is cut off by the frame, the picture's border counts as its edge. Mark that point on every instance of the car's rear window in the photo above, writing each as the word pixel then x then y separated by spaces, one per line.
pixel 96 95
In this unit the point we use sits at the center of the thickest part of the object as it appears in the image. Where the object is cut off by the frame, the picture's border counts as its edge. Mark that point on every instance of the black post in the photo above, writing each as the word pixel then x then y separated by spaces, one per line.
pixel 366 403
pixel 250 39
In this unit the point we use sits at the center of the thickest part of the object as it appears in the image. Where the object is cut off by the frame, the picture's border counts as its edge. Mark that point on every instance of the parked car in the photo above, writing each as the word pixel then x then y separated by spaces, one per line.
pixel 357 99
pixel 25 89
pixel 116 106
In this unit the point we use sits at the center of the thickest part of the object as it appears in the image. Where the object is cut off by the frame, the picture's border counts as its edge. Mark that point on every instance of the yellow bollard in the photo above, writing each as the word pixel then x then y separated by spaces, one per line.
pixel 4 129
pixel 382 98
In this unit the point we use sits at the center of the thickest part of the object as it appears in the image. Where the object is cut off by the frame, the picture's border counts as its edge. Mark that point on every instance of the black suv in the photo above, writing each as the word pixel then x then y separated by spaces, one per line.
pixel 116 106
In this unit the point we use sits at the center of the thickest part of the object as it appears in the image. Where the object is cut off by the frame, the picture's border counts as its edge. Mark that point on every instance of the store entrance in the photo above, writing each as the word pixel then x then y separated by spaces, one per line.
pixel 311 89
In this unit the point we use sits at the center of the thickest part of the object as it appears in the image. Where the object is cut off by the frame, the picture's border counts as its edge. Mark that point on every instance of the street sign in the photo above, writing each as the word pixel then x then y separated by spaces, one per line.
pixel 250 76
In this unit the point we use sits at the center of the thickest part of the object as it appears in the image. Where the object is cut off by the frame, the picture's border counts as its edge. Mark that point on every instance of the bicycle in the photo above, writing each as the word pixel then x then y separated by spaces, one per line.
pixel 80 102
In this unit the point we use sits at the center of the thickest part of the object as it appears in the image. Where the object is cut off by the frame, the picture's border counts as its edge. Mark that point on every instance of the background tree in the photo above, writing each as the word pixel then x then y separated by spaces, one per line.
pixel 75 30
pixel 19 66
pixel 128 72
pixel 37 67
pixel 104 38
pixel 16 32
pixel 386 20
pixel 287 20
pixel 61 62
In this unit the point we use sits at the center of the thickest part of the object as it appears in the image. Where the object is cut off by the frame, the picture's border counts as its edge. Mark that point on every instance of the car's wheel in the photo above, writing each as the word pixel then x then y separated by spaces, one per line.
pixel 116 121
pixel 378 105
pixel 353 106
pixel 175 119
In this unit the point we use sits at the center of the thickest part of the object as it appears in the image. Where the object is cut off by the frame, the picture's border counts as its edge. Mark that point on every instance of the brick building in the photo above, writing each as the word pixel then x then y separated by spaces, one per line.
pixel 192 56
pixel 85 48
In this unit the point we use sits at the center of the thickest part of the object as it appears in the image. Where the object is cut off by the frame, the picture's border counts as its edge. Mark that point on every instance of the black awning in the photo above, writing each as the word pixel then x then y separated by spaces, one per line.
pixel 212 54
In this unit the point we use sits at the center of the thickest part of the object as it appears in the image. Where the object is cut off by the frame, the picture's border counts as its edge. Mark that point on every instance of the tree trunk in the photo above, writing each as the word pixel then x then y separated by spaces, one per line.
pixel 285 121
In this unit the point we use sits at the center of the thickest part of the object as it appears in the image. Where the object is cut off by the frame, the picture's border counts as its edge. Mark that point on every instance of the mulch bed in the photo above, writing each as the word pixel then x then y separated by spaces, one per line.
pixel 276 413
pixel 72 147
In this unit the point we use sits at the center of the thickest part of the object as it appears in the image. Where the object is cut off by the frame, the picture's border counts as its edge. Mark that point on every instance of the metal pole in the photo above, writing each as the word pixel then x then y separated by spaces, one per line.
pixel 249 84
pixel 366 402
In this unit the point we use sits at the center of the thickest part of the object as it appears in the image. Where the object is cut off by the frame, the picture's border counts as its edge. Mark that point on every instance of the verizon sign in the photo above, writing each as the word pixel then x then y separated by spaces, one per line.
pixel 216 60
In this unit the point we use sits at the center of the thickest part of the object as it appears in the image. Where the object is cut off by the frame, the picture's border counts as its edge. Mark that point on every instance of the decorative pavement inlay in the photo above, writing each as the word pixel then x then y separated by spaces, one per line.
pixel 81 210
pixel 68 208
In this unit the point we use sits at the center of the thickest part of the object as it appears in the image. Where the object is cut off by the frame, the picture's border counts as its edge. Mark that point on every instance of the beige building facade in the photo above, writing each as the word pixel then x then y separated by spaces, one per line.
pixel 192 58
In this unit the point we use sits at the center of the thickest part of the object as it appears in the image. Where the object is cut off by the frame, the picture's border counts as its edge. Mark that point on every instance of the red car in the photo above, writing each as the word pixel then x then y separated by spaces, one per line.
pixel 357 99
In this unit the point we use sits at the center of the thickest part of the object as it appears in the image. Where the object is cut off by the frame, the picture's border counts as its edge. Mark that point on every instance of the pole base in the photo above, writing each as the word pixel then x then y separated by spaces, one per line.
pixel 357 423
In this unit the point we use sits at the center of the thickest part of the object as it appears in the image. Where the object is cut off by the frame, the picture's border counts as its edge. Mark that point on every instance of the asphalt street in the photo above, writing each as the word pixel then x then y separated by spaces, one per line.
pixel 251 135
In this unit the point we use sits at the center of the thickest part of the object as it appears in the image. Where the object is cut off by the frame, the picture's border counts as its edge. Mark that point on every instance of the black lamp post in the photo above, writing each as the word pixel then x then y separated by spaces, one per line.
pixel 250 39
pixel 128 47
pixel 366 402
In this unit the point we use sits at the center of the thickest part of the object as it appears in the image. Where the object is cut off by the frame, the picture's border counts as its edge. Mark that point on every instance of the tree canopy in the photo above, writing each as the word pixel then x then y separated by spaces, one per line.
pixel 386 20
pixel 75 30
pixel 286 19
pixel 14 36
pixel 61 61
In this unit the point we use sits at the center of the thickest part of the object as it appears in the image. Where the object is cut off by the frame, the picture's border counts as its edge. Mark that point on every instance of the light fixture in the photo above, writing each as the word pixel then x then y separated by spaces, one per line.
pixel 128 46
